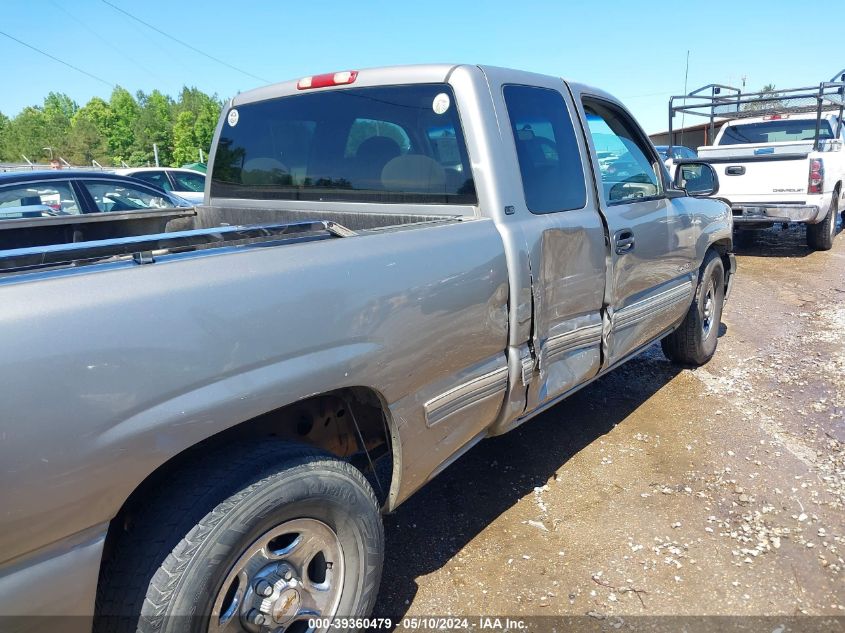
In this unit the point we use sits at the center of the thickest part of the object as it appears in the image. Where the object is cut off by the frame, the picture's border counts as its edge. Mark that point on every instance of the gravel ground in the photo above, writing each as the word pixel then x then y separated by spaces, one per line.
pixel 659 490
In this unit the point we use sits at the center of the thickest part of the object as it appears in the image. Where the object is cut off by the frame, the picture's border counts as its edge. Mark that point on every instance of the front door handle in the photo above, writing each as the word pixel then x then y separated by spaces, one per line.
pixel 624 241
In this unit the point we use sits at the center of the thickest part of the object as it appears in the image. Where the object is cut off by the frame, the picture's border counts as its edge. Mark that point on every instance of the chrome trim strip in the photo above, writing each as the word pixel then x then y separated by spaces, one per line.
pixel 560 344
pixel 527 366
pixel 464 395
pixel 645 308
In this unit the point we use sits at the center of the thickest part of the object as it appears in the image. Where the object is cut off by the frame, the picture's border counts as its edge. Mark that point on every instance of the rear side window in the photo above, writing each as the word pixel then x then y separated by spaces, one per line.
pixel 186 181
pixel 155 178
pixel 547 150
pixel 117 196
pixel 391 144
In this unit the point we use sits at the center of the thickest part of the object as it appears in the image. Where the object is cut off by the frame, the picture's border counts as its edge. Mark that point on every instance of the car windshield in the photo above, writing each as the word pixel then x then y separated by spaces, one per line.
pixel 776 131
pixel 400 144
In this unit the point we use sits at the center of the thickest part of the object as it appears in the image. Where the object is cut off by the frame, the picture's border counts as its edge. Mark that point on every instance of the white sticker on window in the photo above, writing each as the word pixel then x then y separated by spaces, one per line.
pixel 233 117
pixel 441 103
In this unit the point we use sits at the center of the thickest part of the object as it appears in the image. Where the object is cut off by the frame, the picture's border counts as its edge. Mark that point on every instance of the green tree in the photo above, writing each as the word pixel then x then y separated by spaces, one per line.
pixel 154 126
pixel 89 134
pixel 4 137
pixel 206 111
pixel 122 128
pixel 98 112
pixel 184 138
pixel 27 135
pixel 121 135
pixel 58 111
pixel 768 91
pixel 206 123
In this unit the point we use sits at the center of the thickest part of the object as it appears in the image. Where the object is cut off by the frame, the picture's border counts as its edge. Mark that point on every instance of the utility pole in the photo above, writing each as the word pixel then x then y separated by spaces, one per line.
pixel 683 112
pixel 155 151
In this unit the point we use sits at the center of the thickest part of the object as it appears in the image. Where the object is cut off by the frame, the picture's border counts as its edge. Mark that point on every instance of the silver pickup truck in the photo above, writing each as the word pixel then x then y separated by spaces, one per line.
pixel 200 428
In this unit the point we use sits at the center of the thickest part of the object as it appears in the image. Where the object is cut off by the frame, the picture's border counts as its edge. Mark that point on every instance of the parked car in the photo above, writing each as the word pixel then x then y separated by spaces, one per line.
pixel 783 168
pixel 28 194
pixel 41 208
pixel 677 151
pixel 672 153
pixel 203 439
pixel 185 183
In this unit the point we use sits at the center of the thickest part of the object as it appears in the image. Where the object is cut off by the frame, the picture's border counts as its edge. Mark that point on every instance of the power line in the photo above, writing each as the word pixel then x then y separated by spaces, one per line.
pixel 56 59
pixel 185 44
pixel 104 40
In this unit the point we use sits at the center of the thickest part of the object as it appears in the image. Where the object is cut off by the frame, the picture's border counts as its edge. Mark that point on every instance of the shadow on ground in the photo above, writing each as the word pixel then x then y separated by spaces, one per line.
pixel 775 242
pixel 439 520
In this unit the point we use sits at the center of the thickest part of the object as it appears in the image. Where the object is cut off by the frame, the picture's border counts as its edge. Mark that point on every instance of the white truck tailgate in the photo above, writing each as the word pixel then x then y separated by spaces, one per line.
pixel 781 178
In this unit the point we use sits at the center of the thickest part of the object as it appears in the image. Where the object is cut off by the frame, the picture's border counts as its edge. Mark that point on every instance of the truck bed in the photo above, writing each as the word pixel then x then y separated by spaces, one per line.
pixel 208 227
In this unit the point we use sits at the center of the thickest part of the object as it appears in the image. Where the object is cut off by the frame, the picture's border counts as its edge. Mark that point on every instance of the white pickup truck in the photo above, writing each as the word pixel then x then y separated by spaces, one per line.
pixel 782 168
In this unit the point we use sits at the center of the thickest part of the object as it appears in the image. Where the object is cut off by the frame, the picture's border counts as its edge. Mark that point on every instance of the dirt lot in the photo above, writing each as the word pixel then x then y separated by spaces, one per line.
pixel 660 490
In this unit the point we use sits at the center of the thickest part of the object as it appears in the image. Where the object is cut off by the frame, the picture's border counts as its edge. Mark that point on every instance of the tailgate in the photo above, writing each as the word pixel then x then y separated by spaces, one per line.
pixel 779 178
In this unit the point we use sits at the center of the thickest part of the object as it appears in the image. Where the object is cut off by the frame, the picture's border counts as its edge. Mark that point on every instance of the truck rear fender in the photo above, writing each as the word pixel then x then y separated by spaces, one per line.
pixel 352 423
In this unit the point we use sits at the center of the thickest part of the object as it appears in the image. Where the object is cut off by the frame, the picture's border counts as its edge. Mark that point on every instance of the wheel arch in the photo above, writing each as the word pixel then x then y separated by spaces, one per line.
pixel 353 423
pixel 722 247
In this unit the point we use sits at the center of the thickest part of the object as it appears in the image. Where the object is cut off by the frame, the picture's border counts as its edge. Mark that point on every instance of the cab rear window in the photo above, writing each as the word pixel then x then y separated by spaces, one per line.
pixel 776 131
pixel 389 144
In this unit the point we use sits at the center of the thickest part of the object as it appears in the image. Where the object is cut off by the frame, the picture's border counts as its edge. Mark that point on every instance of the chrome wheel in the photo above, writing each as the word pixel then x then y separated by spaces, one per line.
pixel 290 574
pixel 709 312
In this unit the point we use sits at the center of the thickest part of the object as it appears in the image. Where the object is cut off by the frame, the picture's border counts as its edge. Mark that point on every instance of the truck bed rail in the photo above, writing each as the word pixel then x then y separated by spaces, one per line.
pixel 143 249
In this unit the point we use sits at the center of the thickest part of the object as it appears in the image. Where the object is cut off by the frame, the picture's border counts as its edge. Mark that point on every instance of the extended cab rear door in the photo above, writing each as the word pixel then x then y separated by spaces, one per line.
pixel 553 207
pixel 653 236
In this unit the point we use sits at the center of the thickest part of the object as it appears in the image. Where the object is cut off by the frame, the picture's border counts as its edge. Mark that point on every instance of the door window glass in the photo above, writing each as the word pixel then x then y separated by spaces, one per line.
pixel 187 181
pixel 39 199
pixel 627 169
pixel 117 196
pixel 546 148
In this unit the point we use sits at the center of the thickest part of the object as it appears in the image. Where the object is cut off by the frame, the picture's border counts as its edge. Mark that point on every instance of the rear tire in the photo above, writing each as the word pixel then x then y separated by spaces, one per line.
pixel 695 340
pixel 820 236
pixel 296 524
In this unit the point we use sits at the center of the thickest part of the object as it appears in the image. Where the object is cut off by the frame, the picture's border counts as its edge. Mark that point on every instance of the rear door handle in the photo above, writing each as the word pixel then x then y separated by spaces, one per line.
pixel 624 241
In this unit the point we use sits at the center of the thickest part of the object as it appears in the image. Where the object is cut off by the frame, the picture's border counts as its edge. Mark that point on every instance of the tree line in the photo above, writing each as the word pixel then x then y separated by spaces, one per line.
pixel 122 129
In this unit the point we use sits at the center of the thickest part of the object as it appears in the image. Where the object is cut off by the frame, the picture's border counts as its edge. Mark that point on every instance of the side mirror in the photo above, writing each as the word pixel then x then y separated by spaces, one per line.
pixel 696 179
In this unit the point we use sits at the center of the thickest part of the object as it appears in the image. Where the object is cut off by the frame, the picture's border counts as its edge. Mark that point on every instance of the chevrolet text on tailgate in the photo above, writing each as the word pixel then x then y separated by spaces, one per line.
pixel 780 155
pixel 390 265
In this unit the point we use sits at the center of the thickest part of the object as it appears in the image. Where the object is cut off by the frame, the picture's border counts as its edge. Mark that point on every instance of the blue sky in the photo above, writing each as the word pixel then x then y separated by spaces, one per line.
pixel 635 50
